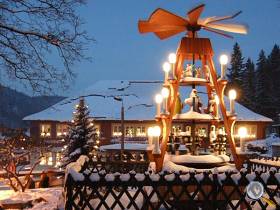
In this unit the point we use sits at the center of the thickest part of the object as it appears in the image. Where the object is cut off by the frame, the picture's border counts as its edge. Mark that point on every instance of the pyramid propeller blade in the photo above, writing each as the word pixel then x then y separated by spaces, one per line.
pixel 217 32
pixel 195 13
pixel 145 27
pixel 163 17
pixel 166 34
pixel 216 19
pixel 233 28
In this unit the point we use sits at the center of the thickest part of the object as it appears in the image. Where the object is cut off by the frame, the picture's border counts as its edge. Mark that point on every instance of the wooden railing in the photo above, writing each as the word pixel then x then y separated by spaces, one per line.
pixel 264 164
pixel 90 188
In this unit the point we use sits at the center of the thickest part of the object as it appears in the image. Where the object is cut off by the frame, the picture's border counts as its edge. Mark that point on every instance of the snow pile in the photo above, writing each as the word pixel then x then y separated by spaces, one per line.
pixel 94 177
pixel 169 177
pixel 140 177
pixel 169 166
pixel 110 177
pixel 236 177
pixel 154 177
pixel 267 143
pixel 124 177
pixel 74 168
pixel 41 198
pixel 192 115
pixel 199 158
pixel 185 177
pixel 250 177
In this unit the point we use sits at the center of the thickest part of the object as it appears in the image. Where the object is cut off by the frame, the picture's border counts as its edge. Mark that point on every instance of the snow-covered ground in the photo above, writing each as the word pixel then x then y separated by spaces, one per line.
pixel 41 198
pixel 266 143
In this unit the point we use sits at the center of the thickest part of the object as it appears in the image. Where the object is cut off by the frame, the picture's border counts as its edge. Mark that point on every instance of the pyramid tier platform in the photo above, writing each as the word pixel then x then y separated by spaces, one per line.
pixel 200 161
pixel 192 115
pixel 187 81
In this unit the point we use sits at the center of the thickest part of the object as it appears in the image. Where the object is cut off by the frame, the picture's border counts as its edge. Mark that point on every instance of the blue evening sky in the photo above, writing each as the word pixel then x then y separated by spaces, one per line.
pixel 120 52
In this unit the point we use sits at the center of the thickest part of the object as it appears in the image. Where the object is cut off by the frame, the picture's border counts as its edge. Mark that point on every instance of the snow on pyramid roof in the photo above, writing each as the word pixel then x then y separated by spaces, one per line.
pixel 138 100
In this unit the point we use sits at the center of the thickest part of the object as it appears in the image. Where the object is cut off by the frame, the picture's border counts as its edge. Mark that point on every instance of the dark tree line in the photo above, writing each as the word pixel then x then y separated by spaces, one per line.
pixel 258 85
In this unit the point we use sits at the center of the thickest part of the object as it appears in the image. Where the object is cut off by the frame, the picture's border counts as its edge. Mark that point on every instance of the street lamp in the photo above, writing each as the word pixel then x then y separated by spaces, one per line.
pixel 158 99
pixel 232 97
pixel 223 62
pixel 242 132
pixel 156 134
pixel 166 68
pixel 117 98
pixel 165 95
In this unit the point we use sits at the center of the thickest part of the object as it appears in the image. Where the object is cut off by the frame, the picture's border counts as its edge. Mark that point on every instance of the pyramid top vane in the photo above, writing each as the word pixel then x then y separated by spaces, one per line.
pixel 165 24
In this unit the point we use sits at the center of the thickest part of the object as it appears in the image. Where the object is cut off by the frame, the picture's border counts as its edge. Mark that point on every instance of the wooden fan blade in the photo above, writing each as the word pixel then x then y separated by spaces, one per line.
pixel 195 13
pixel 166 34
pixel 217 32
pixel 233 28
pixel 145 27
pixel 216 19
pixel 164 17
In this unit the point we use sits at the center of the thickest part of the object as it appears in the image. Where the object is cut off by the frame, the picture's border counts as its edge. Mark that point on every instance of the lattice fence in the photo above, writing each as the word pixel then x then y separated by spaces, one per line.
pixel 89 188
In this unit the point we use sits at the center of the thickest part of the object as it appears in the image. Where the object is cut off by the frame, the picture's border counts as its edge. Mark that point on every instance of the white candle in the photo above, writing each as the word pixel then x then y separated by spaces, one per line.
pixel 158 100
pixel 232 97
pixel 156 150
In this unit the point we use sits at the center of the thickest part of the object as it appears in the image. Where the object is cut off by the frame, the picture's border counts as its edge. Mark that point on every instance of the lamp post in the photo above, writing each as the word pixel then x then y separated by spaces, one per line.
pixel 165 95
pixel 232 97
pixel 156 134
pixel 158 99
pixel 172 60
pixel 223 62
pixel 242 132
pixel 166 68
pixel 122 125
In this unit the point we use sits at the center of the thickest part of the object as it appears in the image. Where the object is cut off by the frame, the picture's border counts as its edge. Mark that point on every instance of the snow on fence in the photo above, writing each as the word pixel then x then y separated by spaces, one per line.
pixel 91 188
pixel 264 164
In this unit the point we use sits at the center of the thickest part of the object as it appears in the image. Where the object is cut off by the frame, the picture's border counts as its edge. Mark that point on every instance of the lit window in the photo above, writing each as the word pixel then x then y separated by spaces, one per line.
pixel 117 130
pixel 61 130
pixel 251 131
pixel 129 131
pixel 140 131
pixel 45 130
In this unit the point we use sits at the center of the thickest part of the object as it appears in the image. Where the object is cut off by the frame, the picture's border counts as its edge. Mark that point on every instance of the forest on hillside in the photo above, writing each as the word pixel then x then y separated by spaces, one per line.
pixel 257 82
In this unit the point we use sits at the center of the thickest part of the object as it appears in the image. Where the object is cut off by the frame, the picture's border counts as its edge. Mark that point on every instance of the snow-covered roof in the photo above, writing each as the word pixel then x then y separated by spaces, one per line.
pixel 138 99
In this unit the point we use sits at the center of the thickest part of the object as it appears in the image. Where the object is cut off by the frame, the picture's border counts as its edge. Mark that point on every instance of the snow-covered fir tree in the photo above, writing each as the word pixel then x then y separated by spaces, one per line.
pixel 274 69
pixel 82 136
pixel 236 70
pixel 263 87
pixel 249 86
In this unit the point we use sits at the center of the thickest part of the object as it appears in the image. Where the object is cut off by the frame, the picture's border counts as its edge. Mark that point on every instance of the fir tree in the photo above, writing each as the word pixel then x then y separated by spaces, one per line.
pixel 274 71
pixel 236 70
pixel 263 86
pixel 82 134
pixel 249 85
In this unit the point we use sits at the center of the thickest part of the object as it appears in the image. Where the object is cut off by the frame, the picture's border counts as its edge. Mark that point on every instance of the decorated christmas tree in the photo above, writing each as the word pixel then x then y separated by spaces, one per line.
pixel 82 136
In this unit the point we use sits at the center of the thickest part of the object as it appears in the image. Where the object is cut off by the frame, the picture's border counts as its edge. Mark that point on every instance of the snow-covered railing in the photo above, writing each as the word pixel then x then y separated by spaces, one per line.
pixel 264 164
pixel 89 188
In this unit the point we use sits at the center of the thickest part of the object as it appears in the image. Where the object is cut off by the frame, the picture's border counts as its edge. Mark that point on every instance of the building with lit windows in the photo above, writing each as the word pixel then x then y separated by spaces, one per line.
pixel 105 99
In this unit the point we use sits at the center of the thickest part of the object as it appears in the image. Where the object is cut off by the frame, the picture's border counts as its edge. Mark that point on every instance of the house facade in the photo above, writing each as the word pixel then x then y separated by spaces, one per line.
pixel 51 125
